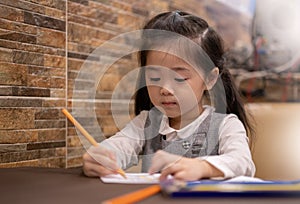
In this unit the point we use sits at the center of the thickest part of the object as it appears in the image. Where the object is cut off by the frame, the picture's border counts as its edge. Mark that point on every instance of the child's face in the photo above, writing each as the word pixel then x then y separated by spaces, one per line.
pixel 174 86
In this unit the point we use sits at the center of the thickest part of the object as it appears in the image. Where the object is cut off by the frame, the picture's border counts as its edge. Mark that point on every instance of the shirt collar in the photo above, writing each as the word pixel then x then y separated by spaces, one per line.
pixel 186 131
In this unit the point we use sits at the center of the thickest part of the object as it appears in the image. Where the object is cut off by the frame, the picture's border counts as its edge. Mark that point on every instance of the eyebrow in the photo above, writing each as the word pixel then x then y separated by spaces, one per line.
pixel 176 69
pixel 180 69
pixel 152 68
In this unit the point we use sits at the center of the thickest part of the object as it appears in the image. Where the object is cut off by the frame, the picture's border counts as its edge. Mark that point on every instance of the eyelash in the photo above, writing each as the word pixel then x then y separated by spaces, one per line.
pixel 176 79
pixel 180 79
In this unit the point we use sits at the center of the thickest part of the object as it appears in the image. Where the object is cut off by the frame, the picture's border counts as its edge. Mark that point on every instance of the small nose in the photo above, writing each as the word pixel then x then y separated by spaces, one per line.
pixel 166 90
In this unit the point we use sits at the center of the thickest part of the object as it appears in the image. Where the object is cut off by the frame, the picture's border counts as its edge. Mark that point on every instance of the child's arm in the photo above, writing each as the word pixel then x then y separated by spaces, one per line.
pixel 122 149
pixel 182 168
pixel 234 157
pixel 99 161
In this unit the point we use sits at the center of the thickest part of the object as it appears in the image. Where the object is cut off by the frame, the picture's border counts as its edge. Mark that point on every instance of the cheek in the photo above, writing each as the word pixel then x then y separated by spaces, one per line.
pixel 153 92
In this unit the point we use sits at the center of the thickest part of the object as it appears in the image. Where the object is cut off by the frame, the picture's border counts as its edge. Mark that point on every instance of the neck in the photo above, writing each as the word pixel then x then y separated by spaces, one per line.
pixel 185 119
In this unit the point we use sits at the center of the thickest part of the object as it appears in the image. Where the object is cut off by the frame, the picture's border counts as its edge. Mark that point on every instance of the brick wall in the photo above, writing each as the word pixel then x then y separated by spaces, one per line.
pixel 32 83
pixel 43 45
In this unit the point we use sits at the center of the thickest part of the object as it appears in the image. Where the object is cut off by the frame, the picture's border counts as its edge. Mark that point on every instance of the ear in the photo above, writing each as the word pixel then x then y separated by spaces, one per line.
pixel 212 78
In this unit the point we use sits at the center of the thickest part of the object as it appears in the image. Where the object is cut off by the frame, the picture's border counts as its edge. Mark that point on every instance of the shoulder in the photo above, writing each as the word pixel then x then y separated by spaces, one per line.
pixel 232 126
pixel 140 118
pixel 228 123
pixel 227 120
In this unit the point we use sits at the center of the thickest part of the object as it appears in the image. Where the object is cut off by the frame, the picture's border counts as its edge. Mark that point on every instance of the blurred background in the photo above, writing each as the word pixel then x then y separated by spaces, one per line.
pixel 43 45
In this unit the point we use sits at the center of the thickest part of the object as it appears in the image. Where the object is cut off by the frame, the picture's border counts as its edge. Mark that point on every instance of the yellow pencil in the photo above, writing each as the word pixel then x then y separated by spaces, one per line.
pixel 86 134
pixel 134 196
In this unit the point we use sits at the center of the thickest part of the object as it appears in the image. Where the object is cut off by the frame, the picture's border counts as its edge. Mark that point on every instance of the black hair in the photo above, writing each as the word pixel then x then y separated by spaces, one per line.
pixel 198 30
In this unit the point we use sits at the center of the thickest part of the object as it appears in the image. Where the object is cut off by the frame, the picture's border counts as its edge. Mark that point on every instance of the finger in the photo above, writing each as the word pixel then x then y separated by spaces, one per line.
pixel 112 156
pixel 102 156
pixel 99 150
pixel 106 162
pixel 158 162
pixel 172 169
pixel 95 170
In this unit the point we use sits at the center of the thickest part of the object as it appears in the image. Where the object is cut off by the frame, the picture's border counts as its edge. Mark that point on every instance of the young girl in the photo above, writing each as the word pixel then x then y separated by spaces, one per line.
pixel 174 132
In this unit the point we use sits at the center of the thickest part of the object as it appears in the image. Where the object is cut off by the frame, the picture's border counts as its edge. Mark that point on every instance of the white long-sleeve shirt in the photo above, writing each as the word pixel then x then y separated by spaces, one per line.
pixel 234 157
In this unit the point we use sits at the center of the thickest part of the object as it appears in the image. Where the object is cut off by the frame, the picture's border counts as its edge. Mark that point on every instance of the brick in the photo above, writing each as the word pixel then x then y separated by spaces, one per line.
pixel 47 114
pixel 12 147
pixel 46 153
pixel 31 163
pixel 24 5
pixel 53 103
pixel 83 56
pixel 15 118
pixel 83 2
pixel 103 5
pixel 6 55
pixel 58 4
pixel 51 135
pixel 26 91
pixel 84 36
pixel 114 27
pixel 38 71
pixel 38 81
pixel 77 47
pixel 27 155
pixel 20 37
pixel 5 157
pixel 71 131
pixel 54 72
pixel 46 36
pixel 58 83
pixel 91 14
pixel 109 130
pixel 75 151
pixel 74 64
pixel 22 57
pixel 58 93
pixel 45 145
pixel 31 47
pixel 54 61
pixel 11 13
pixel 16 102
pixel 74 162
pixel 12 74
pixel 5 91
pixel 121 5
pixel 18 136
pixel 108 82
pixel 52 162
pixel 44 21
pixel 17 27
pixel 42 124
pixel 128 20
pixel 60 152
pixel 140 8
pixel 74 141
pixel 55 13
pixel 86 21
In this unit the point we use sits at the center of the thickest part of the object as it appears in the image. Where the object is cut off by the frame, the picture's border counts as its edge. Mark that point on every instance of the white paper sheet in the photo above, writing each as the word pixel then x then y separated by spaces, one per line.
pixel 132 178
pixel 145 178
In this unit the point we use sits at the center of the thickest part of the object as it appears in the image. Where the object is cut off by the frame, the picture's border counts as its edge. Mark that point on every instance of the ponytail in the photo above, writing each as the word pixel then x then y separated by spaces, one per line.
pixel 232 101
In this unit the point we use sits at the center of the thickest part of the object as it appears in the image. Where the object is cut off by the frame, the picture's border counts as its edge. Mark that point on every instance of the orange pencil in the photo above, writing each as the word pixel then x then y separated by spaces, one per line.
pixel 134 196
pixel 86 134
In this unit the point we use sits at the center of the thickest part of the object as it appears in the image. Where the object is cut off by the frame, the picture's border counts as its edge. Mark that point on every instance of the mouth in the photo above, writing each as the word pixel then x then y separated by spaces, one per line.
pixel 169 103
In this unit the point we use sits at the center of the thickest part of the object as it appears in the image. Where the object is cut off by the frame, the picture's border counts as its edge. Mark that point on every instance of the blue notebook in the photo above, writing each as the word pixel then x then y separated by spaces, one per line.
pixel 239 187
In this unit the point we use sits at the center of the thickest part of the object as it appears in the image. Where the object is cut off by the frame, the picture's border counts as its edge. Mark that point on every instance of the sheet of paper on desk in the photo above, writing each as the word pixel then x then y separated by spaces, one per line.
pixel 132 178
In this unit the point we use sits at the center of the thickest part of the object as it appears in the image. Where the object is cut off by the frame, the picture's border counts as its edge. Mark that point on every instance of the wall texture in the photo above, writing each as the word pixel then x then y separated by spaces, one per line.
pixel 43 44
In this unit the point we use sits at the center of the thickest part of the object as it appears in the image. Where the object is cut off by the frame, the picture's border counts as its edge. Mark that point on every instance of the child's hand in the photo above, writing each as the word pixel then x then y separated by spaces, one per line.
pixel 179 167
pixel 99 161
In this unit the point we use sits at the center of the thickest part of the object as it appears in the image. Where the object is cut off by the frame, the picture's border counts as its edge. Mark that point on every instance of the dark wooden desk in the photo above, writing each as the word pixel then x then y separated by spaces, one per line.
pixel 44 185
